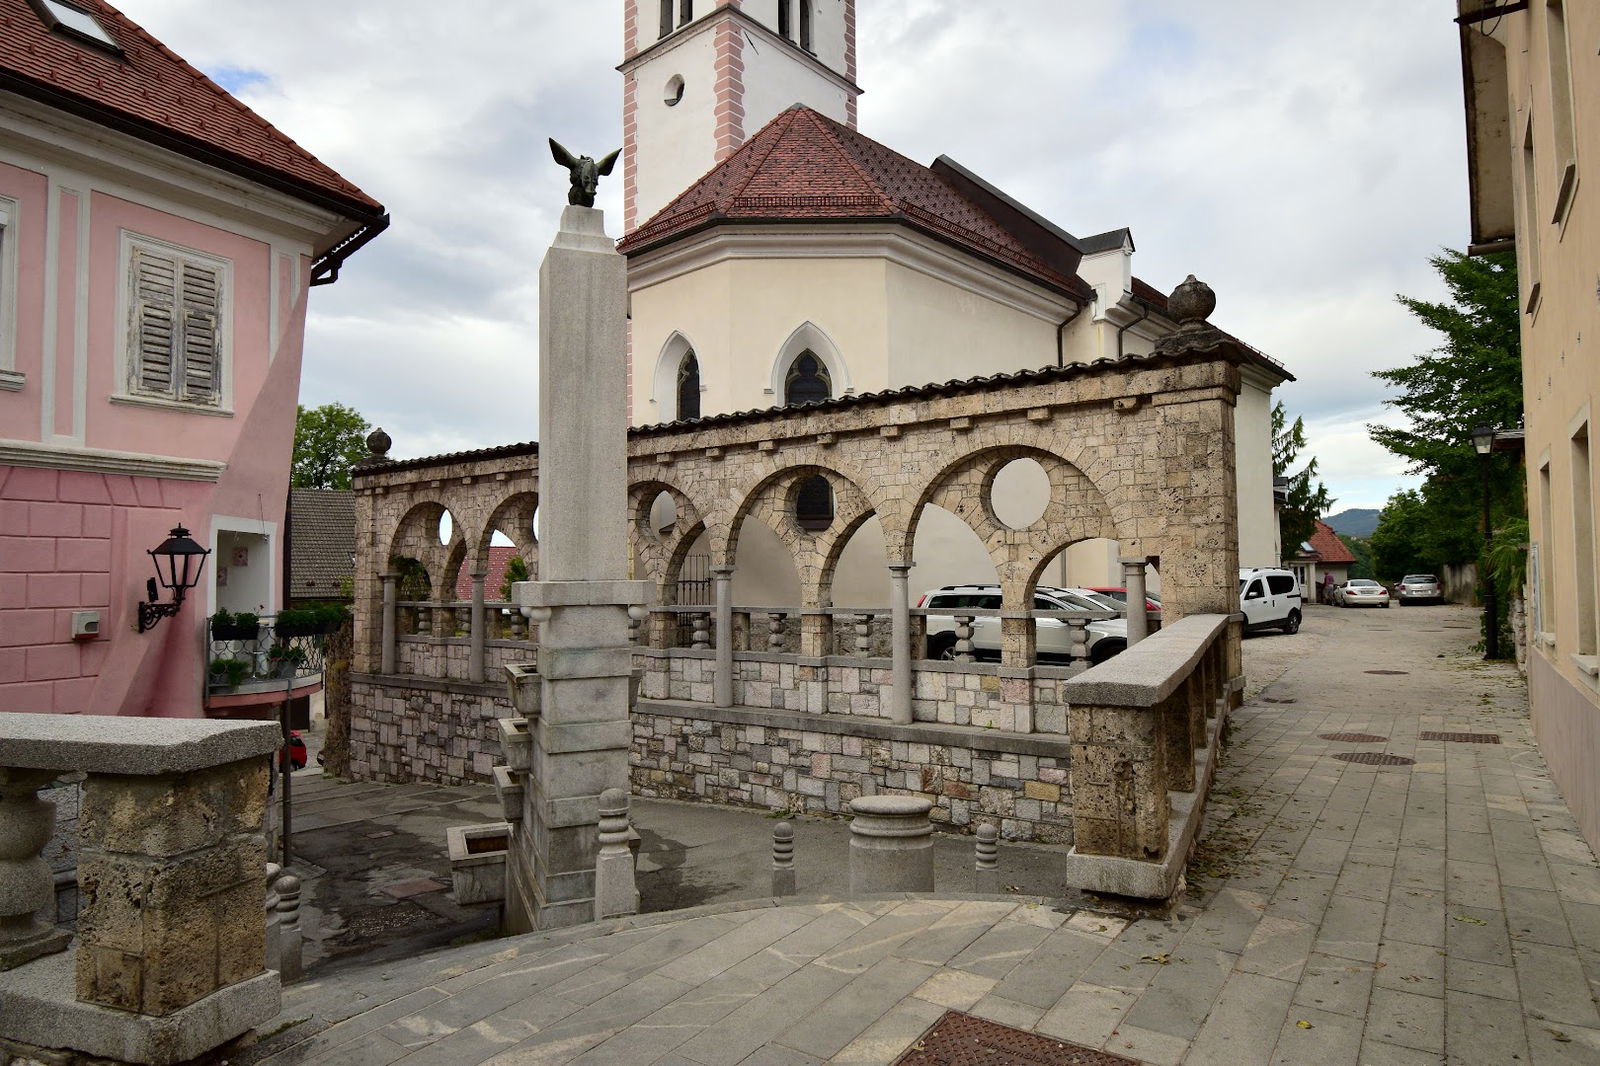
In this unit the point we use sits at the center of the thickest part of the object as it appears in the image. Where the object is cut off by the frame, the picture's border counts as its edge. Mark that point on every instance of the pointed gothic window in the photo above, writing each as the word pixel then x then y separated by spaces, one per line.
pixel 807 381
pixel 805 24
pixel 689 386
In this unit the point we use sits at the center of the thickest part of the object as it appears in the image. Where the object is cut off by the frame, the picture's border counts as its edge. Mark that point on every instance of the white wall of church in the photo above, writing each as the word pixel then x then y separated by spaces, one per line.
pixel 827 29
pixel 776 80
pixel 674 143
pixel 939 331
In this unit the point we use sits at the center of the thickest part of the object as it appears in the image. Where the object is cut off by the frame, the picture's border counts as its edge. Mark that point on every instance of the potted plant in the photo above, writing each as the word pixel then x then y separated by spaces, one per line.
pixel 284 660
pixel 229 672
pixel 330 616
pixel 241 626
pixel 295 622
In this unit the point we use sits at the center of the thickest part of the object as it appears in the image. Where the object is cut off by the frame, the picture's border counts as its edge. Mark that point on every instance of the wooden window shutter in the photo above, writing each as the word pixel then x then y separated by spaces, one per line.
pixel 202 364
pixel 155 339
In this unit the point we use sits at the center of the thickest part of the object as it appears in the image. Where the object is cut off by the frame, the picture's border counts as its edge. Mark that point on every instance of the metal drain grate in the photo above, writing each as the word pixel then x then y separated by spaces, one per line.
pixel 1373 758
pixel 1353 738
pixel 1388 672
pixel 1460 738
pixel 958 1039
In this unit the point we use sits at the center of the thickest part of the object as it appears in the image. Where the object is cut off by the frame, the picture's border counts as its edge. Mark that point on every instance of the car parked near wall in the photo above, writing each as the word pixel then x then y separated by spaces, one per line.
pixel 1270 599
pixel 1418 588
pixel 1361 592
pixel 1105 636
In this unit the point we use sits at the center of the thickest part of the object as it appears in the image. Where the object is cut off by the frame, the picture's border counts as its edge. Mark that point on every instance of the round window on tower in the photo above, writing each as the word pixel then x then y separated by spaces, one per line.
pixel 673 95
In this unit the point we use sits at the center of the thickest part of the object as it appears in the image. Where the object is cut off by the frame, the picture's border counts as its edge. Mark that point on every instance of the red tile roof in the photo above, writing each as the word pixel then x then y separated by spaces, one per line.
pixel 1329 548
pixel 499 558
pixel 803 166
pixel 151 93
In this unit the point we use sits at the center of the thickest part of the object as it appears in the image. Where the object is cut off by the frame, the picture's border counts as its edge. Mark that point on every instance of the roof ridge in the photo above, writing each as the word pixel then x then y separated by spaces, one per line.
pixel 828 129
pixel 753 168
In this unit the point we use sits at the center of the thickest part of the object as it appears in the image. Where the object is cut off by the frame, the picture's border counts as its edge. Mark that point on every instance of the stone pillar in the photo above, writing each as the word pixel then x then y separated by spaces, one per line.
pixel 26 886
pixel 783 860
pixel 391 613
pixel 722 683
pixel 475 669
pixel 891 845
pixel 902 683
pixel 582 736
pixel 616 892
pixel 1119 781
pixel 986 868
pixel 1133 581
pixel 1177 737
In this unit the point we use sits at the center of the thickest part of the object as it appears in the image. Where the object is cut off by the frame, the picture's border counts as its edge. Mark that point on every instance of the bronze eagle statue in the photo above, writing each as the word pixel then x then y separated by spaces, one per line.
pixel 586 173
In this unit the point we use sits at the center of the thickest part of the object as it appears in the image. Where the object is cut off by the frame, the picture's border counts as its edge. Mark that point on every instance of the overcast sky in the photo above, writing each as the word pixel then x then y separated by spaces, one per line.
pixel 1305 160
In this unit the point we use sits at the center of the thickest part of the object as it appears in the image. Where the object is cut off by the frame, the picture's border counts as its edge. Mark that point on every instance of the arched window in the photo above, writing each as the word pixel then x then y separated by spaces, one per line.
pixel 813 503
pixel 805 24
pixel 689 386
pixel 807 381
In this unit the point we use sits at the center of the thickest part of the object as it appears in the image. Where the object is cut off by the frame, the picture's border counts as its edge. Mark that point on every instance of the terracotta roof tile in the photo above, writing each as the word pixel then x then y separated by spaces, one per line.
pixel 154 94
pixel 1329 548
pixel 803 166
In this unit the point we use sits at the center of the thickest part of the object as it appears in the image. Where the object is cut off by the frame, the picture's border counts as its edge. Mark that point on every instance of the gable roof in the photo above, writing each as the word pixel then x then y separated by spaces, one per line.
pixel 803 166
pixel 1327 546
pixel 500 556
pixel 149 92
pixel 322 539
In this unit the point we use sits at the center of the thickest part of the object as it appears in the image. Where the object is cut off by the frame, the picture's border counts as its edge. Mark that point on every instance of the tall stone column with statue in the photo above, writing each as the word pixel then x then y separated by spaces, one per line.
pixel 582 734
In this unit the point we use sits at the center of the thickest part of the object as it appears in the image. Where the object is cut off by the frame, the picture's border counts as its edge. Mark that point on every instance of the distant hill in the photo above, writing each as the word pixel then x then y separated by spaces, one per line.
pixel 1355 522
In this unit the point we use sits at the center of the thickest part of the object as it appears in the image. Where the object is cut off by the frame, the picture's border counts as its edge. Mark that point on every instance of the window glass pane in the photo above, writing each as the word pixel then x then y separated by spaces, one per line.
pixel 80 21
pixel 808 381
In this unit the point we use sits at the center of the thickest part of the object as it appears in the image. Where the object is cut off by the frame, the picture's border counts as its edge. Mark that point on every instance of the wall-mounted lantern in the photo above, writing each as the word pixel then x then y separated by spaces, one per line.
pixel 178 561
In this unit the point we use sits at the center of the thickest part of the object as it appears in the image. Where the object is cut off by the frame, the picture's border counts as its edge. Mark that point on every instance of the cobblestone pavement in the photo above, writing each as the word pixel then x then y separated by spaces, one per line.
pixel 1441 910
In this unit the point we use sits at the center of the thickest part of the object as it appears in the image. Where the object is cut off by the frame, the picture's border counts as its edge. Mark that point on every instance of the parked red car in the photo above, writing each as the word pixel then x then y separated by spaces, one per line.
pixel 1121 596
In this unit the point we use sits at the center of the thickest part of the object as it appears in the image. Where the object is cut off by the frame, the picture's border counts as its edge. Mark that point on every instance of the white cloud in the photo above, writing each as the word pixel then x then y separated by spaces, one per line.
pixel 1304 161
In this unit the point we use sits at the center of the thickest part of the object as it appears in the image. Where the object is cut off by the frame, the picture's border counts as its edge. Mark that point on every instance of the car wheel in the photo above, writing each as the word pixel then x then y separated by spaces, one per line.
pixel 1106 649
pixel 942 646
pixel 1292 623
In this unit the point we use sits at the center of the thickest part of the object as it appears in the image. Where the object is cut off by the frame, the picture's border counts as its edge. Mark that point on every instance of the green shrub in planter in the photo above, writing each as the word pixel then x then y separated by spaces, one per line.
pixel 295 622
pixel 241 626
pixel 230 672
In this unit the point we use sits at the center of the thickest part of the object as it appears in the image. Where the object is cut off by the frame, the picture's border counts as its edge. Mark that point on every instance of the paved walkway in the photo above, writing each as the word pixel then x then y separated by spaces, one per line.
pixel 1440 911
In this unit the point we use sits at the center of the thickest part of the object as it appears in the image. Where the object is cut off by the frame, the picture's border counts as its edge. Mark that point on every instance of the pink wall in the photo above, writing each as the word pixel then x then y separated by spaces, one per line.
pixel 73 540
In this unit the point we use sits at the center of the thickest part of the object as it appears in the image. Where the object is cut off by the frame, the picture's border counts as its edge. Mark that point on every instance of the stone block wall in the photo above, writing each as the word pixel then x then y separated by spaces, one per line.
pixel 417 729
pixel 778 760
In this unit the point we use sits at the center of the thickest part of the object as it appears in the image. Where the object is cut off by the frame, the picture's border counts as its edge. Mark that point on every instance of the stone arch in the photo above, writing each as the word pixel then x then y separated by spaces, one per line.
pixel 662 556
pixel 664 384
pixel 808 337
pixel 516 512
pixel 812 551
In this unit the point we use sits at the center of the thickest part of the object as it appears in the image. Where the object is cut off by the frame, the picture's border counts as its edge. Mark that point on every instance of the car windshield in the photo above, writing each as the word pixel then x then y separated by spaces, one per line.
pixel 1105 602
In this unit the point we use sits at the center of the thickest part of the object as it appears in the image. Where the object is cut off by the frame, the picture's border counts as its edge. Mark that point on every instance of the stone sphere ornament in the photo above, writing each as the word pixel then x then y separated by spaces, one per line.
pixel 378 443
pixel 1191 303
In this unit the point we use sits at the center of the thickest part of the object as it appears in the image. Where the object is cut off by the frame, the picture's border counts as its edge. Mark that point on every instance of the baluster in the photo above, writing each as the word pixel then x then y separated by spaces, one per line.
pixel 26 885
pixel 274 942
pixel 635 624
pixel 988 869
pixel 518 627
pixel 863 635
pixel 289 967
pixel 964 638
pixel 616 891
pixel 702 630
pixel 783 883
pixel 1080 638
pixel 424 620
pixel 775 621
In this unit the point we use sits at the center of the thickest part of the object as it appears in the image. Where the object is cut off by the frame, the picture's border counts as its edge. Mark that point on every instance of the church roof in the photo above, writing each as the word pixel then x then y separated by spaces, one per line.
pixel 140 87
pixel 803 166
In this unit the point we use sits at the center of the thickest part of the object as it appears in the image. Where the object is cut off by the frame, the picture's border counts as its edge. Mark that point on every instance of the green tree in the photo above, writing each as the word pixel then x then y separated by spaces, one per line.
pixel 1474 376
pixel 1307 498
pixel 328 441
pixel 516 570
pixel 1362 550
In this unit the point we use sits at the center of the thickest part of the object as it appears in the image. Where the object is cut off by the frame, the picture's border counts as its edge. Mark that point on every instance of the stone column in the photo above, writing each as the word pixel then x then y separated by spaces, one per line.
pixel 1119 781
pixel 902 683
pixel 722 683
pixel 581 600
pixel 475 670
pixel 1133 581
pixel 391 613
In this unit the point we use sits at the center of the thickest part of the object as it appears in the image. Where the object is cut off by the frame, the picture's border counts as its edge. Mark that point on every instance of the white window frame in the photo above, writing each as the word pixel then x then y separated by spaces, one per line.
pixel 11 380
pixel 128 347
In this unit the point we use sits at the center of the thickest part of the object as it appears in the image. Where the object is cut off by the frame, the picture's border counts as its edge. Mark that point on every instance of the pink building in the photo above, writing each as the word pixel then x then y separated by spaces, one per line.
pixel 157 244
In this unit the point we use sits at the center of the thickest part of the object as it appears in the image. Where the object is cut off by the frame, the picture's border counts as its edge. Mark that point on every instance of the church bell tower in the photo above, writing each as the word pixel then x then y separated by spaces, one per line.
pixel 700 76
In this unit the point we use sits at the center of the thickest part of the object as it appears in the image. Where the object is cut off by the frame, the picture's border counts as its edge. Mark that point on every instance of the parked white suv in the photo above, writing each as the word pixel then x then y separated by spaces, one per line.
pixel 1105 636
pixel 1270 599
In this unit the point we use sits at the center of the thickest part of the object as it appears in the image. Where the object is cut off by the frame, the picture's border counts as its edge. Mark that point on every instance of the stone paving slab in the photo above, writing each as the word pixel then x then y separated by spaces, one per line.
pixel 1337 913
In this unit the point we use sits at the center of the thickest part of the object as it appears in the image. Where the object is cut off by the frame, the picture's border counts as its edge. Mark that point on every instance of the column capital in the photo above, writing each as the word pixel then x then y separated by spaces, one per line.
pixel 723 571
pixel 900 569
pixel 478 575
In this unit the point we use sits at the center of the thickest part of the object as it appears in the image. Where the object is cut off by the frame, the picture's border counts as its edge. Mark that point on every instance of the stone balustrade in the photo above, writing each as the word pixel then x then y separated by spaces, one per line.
pixel 1144 733
pixel 169 961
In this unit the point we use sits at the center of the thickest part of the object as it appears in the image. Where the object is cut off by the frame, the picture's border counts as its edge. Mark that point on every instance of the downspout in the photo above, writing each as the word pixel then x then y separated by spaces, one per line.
pixel 1145 308
pixel 325 271
pixel 1061 349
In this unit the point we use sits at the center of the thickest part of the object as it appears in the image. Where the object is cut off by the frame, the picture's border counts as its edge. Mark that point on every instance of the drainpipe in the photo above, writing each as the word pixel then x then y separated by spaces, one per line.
pixel 325 271
pixel 1061 349
pixel 1145 308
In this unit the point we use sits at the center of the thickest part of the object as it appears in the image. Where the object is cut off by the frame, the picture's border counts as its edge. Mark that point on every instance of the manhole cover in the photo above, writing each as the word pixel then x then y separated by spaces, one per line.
pixel 1269 699
pixel 1373 758
pixel 1391 672
pixel 958 1039
pixel 1353 738
pixel 1460 738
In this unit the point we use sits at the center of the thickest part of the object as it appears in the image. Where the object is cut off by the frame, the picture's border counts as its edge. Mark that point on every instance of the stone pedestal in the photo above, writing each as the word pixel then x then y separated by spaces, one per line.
pixel 891 845
pixel 616 890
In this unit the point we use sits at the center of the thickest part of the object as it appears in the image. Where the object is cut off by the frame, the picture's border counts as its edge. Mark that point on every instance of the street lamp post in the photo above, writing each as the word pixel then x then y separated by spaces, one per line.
pixel 1483 444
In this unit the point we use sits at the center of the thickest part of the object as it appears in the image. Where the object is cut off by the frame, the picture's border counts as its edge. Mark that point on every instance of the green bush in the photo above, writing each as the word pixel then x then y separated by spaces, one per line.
pixel 231 672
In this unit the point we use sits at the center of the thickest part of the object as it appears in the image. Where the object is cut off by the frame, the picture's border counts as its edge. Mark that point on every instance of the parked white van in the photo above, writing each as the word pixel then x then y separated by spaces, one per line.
pixel 1270 599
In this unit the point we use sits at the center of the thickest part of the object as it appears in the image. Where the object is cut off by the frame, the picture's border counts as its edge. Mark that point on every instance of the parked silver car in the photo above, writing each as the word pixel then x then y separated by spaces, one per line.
pixel 1419 588
pixel 1361 592
pixel 1106 636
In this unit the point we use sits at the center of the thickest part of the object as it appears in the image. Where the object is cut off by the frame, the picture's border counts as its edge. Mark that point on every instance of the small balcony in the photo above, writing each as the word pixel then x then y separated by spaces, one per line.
pixel 254 664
